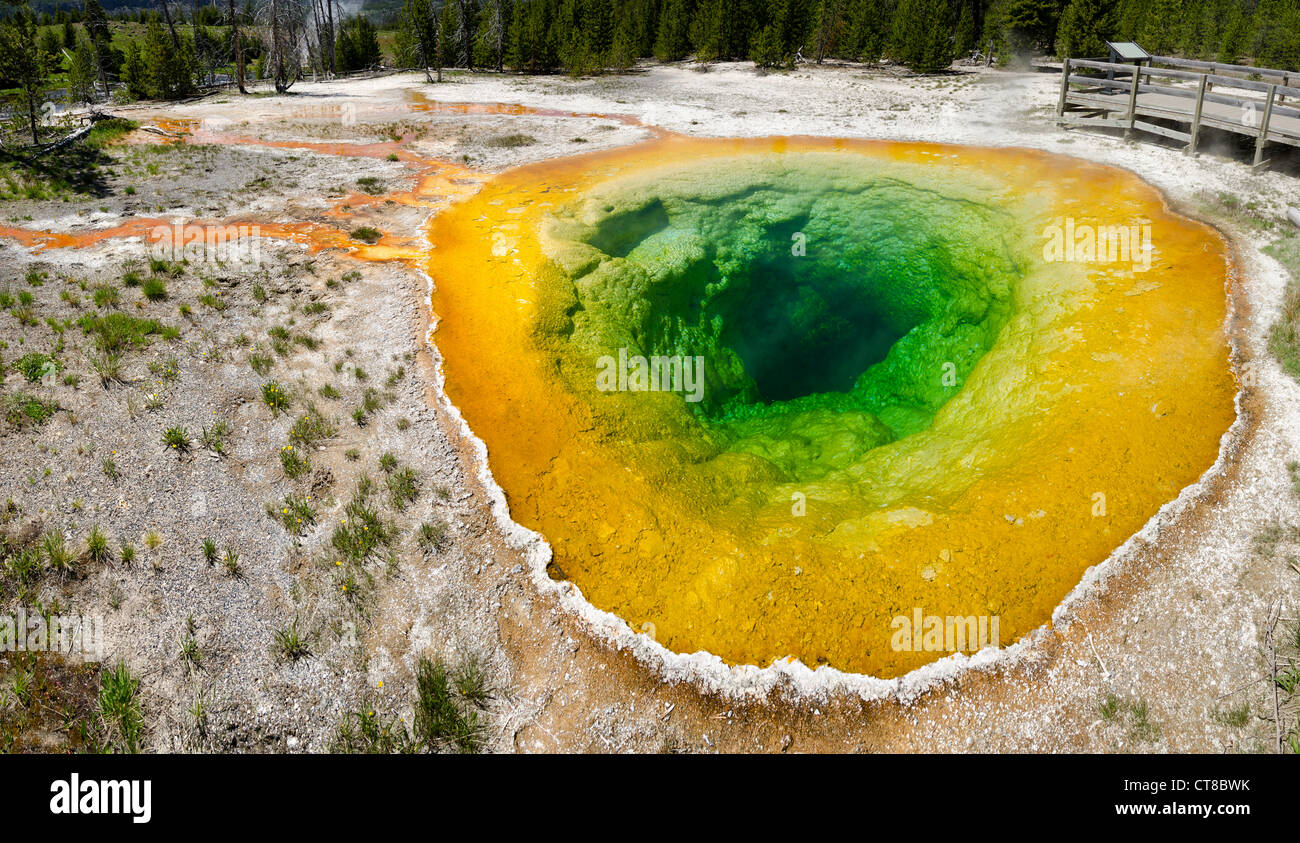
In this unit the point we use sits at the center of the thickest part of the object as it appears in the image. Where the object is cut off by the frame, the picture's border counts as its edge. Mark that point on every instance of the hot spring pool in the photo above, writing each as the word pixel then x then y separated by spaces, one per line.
pixel 811 398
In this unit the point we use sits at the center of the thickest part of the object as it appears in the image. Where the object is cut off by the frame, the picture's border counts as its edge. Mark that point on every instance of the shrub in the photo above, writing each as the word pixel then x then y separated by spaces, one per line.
pixel 57 555
pixel 439 721
pixel 106 295
pixel 115 332
pixel 214 438
pixel 361 532
pixel 512 141
pixel 231 561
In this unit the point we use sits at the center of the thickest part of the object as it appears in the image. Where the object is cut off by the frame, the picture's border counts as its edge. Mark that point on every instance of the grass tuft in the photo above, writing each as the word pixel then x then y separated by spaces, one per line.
pixel 293 462
pixel 97 549
pixel 432 537
pixel 176 438
pixel 439 721
pixel 290 643
pixel 119 708
pixel 275 397
pixel 296 513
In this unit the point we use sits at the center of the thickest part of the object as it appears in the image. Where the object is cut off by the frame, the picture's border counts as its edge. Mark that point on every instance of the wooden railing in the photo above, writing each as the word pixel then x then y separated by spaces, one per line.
pixel 1220 96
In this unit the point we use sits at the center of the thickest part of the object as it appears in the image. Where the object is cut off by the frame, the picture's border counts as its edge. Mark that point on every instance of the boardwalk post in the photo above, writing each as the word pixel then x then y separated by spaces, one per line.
pixel 1132 100
pixel 1065 88
pixel 1263 126
pixel 1196 115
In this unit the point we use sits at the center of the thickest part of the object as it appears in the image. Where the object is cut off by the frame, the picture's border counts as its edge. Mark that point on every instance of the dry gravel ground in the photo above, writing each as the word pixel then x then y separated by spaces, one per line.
pixel 1152 653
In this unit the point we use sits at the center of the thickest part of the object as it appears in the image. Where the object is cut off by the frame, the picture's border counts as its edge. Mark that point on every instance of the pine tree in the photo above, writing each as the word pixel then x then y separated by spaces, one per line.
pixel 357 47
pixel 23 64
pixel 168 66
pixel 708 30
pixel 623 51
pixel 1191 34
pixel 966 36
pixel 236 45
pixel 922 35
pixel 447 34
pixel 1158 33
pixel 205 51
pixel 1236 30
pixel 641 19
pixel 828 28
pixel 794 19
pixel 588 26
pixel 1277 34
pixel 95 21
pixel 416 33
pixel 466 24
pixel 490 40
pixel 134 74
pixel 673 41
pixel 766 49
pixel 51 47
pixel 869 28
pixel 1084 25
pixel 1129 18
pixel 82 73
pixel 531 46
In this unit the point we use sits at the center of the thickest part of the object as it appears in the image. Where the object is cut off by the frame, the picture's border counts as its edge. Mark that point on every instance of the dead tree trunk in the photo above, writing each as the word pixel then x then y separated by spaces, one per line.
pixel 329 33
pixel 167 16
pixel 500 25
pixel 437 37
pixel 277 47
pixel 239 48
pixel 466 36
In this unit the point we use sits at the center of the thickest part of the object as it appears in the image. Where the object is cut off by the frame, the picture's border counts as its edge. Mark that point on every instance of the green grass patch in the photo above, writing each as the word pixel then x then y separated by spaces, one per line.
pixel 119 708
pixel 34 366
pixel 116 332
pixel 311 427
pixel 1284 337
pixel 22 410
pixel 293 462
pixel 513 141
pixel 366 234
pixel 275 396
pixel 77 169
pixel 296 513
pixel 154 289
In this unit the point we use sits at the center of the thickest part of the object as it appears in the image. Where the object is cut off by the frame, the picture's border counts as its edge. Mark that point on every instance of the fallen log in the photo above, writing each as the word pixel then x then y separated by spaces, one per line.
pixel 154 130
pixel 93 118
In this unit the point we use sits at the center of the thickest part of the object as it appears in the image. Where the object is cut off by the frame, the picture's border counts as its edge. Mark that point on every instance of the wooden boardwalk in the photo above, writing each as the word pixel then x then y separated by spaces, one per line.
pixel 1186 93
